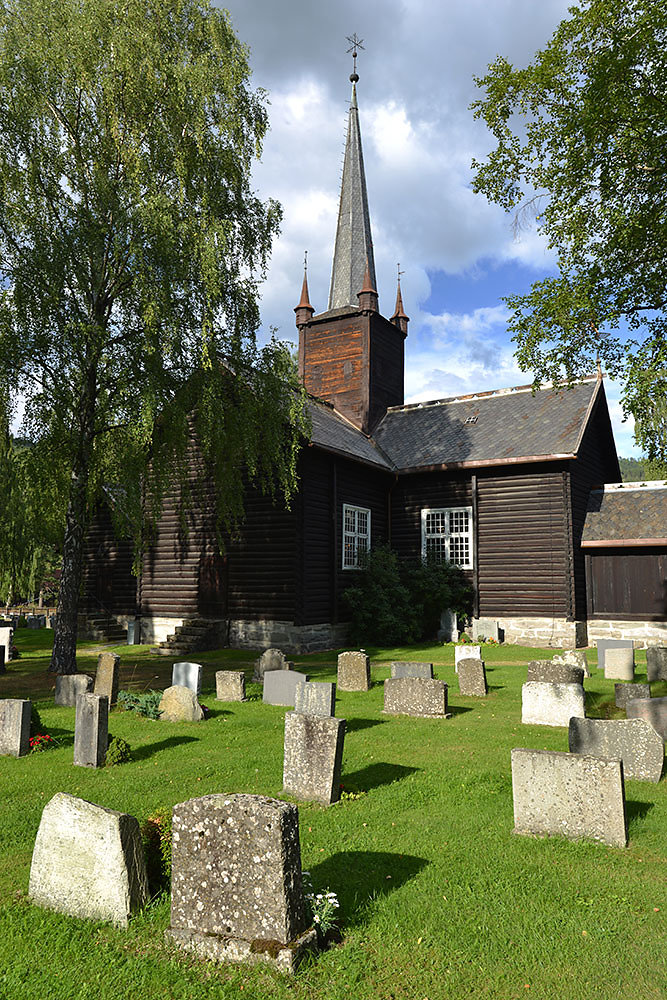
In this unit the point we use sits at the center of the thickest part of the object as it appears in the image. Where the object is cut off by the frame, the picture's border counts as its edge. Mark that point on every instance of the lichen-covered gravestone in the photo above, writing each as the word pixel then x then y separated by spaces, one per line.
pixel 236 888
pixel 573 658
pixel 619 664
pixel 313 756
pixel 633 740
pixel 280 687
pixel 271 659
pixel 568 794
pixel 411 668
pixel 623 693
pixel 420 696
pixel 654 710
pixel 180 704
pixel 315 698
pixel 472 677
pixel 656 663
pixel 14 727
pixel 107 676
pixel 70 686
pixel 185 674
pixel 230 685
pixel 554 673
pixel 91 730
pixel 466 652
pixel 354 671
pixel 88 861
pixel 546 704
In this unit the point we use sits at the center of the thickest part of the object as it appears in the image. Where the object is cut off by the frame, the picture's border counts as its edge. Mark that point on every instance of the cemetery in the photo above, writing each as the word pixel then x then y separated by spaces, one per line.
pixel 471 852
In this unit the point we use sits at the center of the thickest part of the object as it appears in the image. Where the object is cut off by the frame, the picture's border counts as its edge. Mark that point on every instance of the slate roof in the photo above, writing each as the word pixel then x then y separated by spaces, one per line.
pixel 333 432
pixel 494 428
pixel 630 513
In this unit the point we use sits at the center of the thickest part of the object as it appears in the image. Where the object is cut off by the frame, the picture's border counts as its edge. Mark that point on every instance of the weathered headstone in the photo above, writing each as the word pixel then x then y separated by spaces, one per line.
pixel 569 794
pixel 236 888
pixel 280 686
pixel 271 659
pixel 180 704
pixel 486 628
pixel 656 663
pixel 107 676
pixel 619 664
pixel 6 635
pixel 633 740
pixel 14 727
pixel 466 652
pixel 448 631
pixel 91 730
pixel 312 757
pixel 230 685
pixel 315 698
pixel 70 686
pixel 623 693
pixel 654 710
pixel 472 677
pixel 411 668
pixel 554 673
pixel 547 704
pixel 354 671
pixel 88 861
pixel 604 644
pixel 185 674
pixel 421 696
pixel 573 658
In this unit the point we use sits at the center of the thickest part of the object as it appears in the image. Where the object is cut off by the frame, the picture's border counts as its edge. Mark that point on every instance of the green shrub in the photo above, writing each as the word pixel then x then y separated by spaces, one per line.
pixel 118 751
pixel 156 838
pixel 144 702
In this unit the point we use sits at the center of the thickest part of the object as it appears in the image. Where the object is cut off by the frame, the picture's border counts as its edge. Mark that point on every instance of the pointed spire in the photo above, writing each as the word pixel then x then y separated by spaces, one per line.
pixel 304 310
pixel 368 296
pixel 399 318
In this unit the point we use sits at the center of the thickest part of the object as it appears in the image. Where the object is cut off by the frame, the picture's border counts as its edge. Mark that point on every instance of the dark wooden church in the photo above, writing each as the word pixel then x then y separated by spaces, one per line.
pixel 496 482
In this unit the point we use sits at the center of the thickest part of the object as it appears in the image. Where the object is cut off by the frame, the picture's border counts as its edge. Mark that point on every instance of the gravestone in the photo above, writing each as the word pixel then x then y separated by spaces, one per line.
pixel 185 674
pixel 70 686
pixel 623 693
pixel 107 676
pixel 472 677
pixel 91 730
pixel 554 673
pixel 280 686
pixel 486 628
pixel 466 652
pixel 230 685
pixel 354 671
pixel 547 704
pixel 573 658
pixel 313 755
pixel 88 861
pixel 569 794
pixel 271 659
pixel 180 704
pixel 411 668
pixel 315 698
pixel 619 664
pixel 654 710
pixel 421 696
pixel 236 887
pixel 448 631
pixel 6 635
pixel 14 727
pixel 604 644
pixel 656 663
pixel 633 740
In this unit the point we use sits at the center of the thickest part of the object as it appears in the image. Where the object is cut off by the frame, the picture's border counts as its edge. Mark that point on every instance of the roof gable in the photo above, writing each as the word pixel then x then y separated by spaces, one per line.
pixel 627 514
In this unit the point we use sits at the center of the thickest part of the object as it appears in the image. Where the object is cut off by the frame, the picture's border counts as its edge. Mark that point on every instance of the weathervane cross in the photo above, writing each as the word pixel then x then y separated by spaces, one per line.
pixel 355 43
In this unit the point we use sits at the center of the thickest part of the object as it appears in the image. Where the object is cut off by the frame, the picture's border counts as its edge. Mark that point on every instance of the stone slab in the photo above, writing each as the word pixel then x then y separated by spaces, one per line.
pixel 619 664
pixel 656 663
pixel 271 659
pixel 604 644
pixel 186 674
pixel 466 652
pixel 91 730
pixel 572 795
pixel 554 673
pixel 70 686
pixel 354 671
pixel 230 685
pixel 486 628
pixel 623 693
pixel 107 676
pixel 88 861
pixel 180 704
pixel 232 949
pixel 633 740
pixel 280 687
pixel 573 658
pixel 315 698
pixel 313 755
pixel 411 668
pixel 14 727
pixel 653 710
pixel 419 696
pixel 547 704
pixel 6 636
pixel 472 678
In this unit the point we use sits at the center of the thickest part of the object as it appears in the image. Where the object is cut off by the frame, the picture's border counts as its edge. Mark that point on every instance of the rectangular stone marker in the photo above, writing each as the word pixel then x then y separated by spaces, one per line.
pixel 633 740
pixel 554 673
pixel 107 676
pixel 604 644
pixel 573 658
pixel 91 730
pixel 623 693
pixel 472 678
pixel 486 628
pixel 184 674
pixel 236 880
pixel 315 698
pixel 420 696
pixel 656 663
pixel 569 794
pixel 280 686
pixel 312 757
pixel 411 668
pixel 654 710
pixel 354 671
pixel 88 861
pixel 619 664
pixel 70 686
pixel 466 652
pixel 14 727
pixel 6 635
pixel 546 704
pixel 230 685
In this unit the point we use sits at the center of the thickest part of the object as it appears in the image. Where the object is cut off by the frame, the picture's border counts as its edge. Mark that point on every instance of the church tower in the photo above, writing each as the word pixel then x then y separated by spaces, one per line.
pixel 350 355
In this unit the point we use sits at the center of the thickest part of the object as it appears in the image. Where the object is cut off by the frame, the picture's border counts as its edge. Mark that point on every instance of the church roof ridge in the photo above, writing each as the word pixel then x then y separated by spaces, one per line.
pixel 486 394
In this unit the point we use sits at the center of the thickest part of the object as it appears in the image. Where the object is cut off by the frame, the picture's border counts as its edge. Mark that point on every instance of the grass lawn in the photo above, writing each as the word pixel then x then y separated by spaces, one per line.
pixel 438 898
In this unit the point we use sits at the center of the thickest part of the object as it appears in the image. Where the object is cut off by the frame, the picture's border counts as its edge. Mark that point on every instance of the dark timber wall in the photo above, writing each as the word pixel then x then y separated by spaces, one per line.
pixel 108 582
pixel 627 583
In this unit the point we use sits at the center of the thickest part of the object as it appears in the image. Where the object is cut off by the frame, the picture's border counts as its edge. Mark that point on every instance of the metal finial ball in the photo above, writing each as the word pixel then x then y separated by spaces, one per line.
pixel 354 77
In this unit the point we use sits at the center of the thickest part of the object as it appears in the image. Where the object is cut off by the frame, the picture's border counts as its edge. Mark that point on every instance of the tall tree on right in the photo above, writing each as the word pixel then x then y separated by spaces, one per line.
pixel 581 151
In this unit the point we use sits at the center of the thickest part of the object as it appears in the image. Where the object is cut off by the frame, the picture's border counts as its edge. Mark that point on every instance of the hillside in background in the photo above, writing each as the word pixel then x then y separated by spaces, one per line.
pixel 637 469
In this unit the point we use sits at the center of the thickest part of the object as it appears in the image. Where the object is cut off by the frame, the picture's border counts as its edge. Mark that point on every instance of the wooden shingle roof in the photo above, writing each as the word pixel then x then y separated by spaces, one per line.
pixel 626 514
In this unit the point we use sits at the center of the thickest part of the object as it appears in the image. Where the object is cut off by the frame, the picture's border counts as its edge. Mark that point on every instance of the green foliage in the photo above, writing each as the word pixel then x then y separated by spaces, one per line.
pixel 580 136
pixel 36 724
pixel 118 751
pixel 393 601
pixel 641 470
pixel 156 838
pixel 143 702
pixel 322 906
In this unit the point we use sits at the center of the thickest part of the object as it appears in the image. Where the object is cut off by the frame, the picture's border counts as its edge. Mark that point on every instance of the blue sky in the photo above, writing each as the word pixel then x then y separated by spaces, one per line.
pixel 458 253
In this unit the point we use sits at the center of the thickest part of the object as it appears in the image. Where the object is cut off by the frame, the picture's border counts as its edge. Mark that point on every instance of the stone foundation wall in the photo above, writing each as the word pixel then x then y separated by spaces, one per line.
pixel 556 633
pixel 287 636
pixel 154 630
pixel 642 633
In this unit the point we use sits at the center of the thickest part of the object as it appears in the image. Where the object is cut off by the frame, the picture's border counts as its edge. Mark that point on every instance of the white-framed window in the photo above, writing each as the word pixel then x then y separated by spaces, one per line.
pixel 447 535
pixel 356 534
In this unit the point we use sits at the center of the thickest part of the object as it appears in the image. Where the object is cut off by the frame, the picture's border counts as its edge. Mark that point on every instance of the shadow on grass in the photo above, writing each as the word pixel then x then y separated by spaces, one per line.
pixel 636 810
pixel 359 877
pixel 495 687
pixel 214 713
pixel 375 775
pixel 458 709
pixel 354 725
pixel 141 753
pixel 599 706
